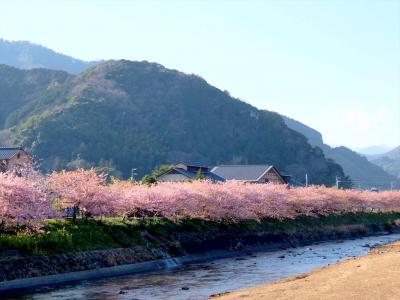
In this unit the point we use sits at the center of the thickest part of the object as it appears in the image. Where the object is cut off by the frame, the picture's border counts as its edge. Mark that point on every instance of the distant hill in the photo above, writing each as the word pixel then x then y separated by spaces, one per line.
pixel 390 162
pixel 373 150
pixel 25 55
pixel 363 172
pixel 124 115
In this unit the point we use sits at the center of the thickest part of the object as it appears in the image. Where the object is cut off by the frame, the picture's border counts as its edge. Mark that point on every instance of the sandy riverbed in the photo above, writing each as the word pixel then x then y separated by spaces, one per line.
pixel 374 276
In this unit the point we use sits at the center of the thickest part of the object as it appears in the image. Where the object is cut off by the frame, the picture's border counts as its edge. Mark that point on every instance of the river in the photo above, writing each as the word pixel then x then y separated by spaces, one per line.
pixel 198 281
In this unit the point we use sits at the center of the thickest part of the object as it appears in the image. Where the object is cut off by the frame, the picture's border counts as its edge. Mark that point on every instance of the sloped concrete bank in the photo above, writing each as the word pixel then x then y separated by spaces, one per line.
pixel 20 273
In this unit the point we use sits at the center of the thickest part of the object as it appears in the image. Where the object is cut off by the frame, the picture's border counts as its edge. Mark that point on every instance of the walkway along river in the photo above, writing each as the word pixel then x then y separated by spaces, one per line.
pixel 199 281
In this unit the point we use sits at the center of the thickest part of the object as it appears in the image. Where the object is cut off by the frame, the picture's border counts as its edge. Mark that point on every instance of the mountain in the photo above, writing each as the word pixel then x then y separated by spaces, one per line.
pixel 313 136
pixel 376 150
pixel 124 115
pixel 18 87
pixel 25 55
pixel 360 170
pixel 390 162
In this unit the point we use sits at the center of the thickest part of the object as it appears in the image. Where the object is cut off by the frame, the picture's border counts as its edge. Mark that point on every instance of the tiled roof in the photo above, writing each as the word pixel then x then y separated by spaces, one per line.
pixel 212 176
pixel 240 172
pixel 8 152
pixel 192 164
pixel 192 175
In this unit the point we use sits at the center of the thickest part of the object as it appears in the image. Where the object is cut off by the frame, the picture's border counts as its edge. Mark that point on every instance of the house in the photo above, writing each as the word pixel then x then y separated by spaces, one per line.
pixel 187 172
pixel 291 182
pixel 250 173
pixel 13 158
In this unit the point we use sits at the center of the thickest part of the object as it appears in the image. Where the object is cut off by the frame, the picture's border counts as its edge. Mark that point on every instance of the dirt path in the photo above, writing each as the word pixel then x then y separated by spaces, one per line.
pixel 375 276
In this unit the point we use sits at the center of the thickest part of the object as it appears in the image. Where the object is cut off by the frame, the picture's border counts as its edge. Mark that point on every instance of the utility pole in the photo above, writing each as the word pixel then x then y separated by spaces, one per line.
pixel 133 174
pixel 337 182
pixel 306 180
pixel 391 185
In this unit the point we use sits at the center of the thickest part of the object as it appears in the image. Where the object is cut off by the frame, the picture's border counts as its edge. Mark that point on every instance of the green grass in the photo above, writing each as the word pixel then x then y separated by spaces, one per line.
pixel 66 236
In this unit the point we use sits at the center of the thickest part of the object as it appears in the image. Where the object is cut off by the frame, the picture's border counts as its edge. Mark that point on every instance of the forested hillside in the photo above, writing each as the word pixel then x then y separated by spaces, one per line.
pixel 124 115
pixel 18 87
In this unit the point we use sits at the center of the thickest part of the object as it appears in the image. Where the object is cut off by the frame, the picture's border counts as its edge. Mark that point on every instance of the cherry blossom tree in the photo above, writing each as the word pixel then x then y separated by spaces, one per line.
pixel 22 202
pixel 29 200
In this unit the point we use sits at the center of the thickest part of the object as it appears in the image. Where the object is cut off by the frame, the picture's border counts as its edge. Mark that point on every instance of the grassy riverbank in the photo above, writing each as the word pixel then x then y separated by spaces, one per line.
pixel 66 236
pixel 374 276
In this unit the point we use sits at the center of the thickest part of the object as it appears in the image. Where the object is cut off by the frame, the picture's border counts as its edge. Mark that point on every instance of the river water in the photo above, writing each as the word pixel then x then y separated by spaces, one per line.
pixel 198 281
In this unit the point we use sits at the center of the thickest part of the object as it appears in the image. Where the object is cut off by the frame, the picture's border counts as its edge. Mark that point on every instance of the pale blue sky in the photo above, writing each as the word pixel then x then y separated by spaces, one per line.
pixel 334 65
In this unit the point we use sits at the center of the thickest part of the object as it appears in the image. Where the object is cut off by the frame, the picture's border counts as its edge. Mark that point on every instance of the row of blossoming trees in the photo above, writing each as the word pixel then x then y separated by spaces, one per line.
pixel 30 200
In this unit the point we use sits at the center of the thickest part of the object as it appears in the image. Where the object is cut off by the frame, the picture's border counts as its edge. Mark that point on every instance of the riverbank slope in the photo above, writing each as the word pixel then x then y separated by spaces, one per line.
pixel 67 246
pixel 374 276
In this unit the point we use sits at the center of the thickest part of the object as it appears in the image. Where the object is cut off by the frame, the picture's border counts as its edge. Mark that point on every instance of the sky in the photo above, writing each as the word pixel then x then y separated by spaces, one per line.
pixel 333 65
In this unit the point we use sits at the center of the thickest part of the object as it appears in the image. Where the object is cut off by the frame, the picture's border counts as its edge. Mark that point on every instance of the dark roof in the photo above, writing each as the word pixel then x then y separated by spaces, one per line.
pixel 8 152
pixel 193 167
pixel 192 175
pixel 291 181
pixel 192 164
pixel 212 176
pixel 295 183
pixel 241 172
pixel 181 171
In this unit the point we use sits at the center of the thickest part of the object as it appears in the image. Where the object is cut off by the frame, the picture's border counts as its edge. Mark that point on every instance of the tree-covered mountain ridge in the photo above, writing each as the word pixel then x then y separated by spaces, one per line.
pixel 125 114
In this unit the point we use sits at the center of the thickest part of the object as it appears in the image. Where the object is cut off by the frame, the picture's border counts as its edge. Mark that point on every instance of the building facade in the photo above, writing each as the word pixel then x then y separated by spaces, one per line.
pixel 14 158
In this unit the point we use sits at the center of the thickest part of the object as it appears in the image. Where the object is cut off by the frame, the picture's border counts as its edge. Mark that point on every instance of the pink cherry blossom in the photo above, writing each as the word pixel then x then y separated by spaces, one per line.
pixel 31 199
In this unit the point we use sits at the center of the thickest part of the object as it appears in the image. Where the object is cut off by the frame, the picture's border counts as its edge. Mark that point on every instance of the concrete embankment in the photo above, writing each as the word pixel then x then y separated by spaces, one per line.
pixel 139 267
pixel 371 277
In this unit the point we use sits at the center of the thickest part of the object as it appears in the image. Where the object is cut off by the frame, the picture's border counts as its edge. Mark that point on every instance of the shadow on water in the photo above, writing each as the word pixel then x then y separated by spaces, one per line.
pixel 198 281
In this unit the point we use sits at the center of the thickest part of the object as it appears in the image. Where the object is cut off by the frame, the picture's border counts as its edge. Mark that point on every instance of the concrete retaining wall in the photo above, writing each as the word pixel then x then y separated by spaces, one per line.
pixel 11 286
pixel 149 266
